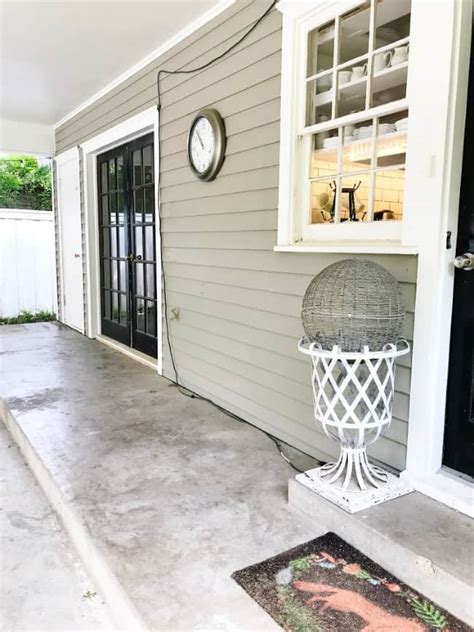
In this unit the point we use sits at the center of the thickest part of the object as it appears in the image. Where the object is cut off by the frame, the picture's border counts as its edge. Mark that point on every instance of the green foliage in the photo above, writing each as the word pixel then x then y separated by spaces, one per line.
pixel 24 183
pixel 28 317
pixel 428 613
pixel 298 618
pixel 301 564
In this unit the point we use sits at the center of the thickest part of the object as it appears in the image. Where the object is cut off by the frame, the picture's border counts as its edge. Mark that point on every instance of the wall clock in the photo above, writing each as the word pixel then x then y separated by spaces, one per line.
pixel 206 144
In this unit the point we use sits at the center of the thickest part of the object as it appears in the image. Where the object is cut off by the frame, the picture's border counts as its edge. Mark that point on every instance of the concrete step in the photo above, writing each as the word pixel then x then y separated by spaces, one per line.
pixel 422 542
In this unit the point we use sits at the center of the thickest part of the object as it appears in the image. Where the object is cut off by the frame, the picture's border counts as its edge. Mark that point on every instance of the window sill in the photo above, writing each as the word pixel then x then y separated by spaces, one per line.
pixel 372 247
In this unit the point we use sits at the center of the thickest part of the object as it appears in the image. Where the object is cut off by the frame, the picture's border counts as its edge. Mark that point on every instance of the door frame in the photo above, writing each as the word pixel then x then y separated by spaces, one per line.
pixel 439 179
pixel 143 123
pixel 70 155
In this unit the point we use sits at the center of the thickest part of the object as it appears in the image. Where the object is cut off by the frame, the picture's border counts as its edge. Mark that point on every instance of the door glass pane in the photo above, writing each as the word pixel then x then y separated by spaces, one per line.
pixel 106 304
pixel 138 198
pixel 148 164
pixel 139 241
pixel 139 279
pixel 321 49
pixel 150 280
pixel 114 270
pixel 140 318
pixel 354 198
pixel 354 35
pixel 105 209
pixel 120 174
pixel 389 194
pixel 106 272
pixel 323 201
pixel 123 268
pixel 392 21
pixel 121 208
pixel 106 242
pixel 103 177
pixel 149 243
pixel 115 306
pixel 151 318
pixel 137 167
pixel 113 241
pixel 112 174
pixel 113 208
pixel 122 242
pixel 123 309
pixel 149 204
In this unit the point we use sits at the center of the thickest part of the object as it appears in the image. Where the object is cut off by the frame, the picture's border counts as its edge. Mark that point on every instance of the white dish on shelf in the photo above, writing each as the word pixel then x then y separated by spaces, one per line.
pixel 401 124
pixel 331 142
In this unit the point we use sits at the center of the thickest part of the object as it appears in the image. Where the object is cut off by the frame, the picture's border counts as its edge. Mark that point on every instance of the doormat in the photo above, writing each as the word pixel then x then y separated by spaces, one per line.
pixel 326 585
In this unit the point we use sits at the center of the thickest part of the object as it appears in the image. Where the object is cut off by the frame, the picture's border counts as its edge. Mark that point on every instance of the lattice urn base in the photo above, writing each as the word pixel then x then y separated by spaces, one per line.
pixel 353 398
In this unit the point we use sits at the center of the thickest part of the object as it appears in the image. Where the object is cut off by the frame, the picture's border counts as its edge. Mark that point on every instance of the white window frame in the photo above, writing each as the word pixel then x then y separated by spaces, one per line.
pixel 299 18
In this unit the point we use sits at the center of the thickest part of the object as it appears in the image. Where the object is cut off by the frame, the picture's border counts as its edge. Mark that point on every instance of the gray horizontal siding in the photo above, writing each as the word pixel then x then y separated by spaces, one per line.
pixel 239 301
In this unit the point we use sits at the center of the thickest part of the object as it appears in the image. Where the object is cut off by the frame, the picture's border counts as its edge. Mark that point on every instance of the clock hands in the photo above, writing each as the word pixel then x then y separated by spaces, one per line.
pixel 200 139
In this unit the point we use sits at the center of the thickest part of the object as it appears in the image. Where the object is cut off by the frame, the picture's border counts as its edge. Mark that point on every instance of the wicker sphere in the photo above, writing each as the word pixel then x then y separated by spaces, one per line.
pixel 353 303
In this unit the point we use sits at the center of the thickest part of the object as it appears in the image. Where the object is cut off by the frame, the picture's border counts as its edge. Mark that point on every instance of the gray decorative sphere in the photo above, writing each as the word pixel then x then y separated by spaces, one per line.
pixel 353 303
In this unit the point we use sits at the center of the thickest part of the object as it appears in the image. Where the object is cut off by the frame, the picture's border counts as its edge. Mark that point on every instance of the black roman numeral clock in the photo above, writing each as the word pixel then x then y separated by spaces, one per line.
pixel 206 144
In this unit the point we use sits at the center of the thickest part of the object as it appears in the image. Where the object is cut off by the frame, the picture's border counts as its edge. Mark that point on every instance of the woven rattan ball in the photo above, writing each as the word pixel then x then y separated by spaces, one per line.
pixel 353 303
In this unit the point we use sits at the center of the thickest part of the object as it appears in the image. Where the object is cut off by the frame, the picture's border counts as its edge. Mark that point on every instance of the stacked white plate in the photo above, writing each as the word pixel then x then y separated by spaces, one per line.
pixel 331 142
pixel 367 130
pixel 401 125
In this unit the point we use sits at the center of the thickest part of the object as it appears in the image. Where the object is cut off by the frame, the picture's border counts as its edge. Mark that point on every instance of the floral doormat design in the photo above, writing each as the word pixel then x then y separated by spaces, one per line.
pixel 326 585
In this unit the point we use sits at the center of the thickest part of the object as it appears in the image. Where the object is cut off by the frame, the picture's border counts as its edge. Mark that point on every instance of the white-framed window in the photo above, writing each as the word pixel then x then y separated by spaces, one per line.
pixel 345 115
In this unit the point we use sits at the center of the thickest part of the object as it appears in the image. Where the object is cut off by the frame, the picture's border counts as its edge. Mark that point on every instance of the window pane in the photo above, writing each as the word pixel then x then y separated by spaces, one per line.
pixel 122 252
pixel 121 208
pixel 149 243
pixel 352 89
pixel 392 139
pixel 354 199
pixel 113 241
pixel 322 201
pixel 321 49
pixel 106 241
pixel 389 194
pixel 112 208
pixel 106 272
pixel 123 269
pixel 150 280
pixel 390 83
pixel 357 147
pixel 354 36
pixel 139 241
pixel 324 156
pixel 138 198
pixel 392 21
pixel 105 209
pixel 319 97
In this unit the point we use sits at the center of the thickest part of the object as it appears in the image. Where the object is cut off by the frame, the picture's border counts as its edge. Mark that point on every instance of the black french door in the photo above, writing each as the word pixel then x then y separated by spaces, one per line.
pixel 126 190
pixel 459 431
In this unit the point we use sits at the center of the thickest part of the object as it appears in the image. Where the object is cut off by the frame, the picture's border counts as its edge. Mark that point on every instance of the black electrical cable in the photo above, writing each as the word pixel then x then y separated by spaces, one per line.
pixel 182 389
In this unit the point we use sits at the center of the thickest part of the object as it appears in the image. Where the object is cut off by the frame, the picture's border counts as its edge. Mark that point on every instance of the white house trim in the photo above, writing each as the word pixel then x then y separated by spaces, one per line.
pixel 138 125
pixel 158 52
pixel 435 267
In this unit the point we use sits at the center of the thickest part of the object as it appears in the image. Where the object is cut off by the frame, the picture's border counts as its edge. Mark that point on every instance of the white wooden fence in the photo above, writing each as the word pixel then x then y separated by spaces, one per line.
pixel 27 262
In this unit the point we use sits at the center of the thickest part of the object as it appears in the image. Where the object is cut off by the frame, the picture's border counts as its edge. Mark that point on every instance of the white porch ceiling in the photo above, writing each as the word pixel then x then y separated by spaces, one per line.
pixel 57 54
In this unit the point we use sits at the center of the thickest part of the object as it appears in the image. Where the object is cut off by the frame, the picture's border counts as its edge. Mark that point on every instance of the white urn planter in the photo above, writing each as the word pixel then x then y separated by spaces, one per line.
pixel 347 306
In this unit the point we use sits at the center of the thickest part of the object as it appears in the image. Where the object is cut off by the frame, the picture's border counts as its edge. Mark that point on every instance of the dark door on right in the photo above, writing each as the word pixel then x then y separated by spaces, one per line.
pixel 459 431
pixel 126 189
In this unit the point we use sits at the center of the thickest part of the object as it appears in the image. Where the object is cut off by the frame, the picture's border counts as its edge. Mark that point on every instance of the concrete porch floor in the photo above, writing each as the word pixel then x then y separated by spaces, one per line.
pixel 163 496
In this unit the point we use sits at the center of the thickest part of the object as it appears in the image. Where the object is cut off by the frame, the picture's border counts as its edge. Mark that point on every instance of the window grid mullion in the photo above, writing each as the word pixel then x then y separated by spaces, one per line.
pixel 336 56
pixel 372 27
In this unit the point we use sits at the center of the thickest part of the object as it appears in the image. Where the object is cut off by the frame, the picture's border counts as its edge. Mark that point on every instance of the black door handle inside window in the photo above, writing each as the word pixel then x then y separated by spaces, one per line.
pixel 138 258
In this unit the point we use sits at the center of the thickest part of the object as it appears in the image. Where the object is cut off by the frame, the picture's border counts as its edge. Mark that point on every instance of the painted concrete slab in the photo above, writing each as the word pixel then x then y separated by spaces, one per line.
pixel 43 586
pixel 173 494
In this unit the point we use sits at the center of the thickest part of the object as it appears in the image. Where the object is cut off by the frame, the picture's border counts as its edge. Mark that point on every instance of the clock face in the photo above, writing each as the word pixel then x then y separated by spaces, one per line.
pixel 202 144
